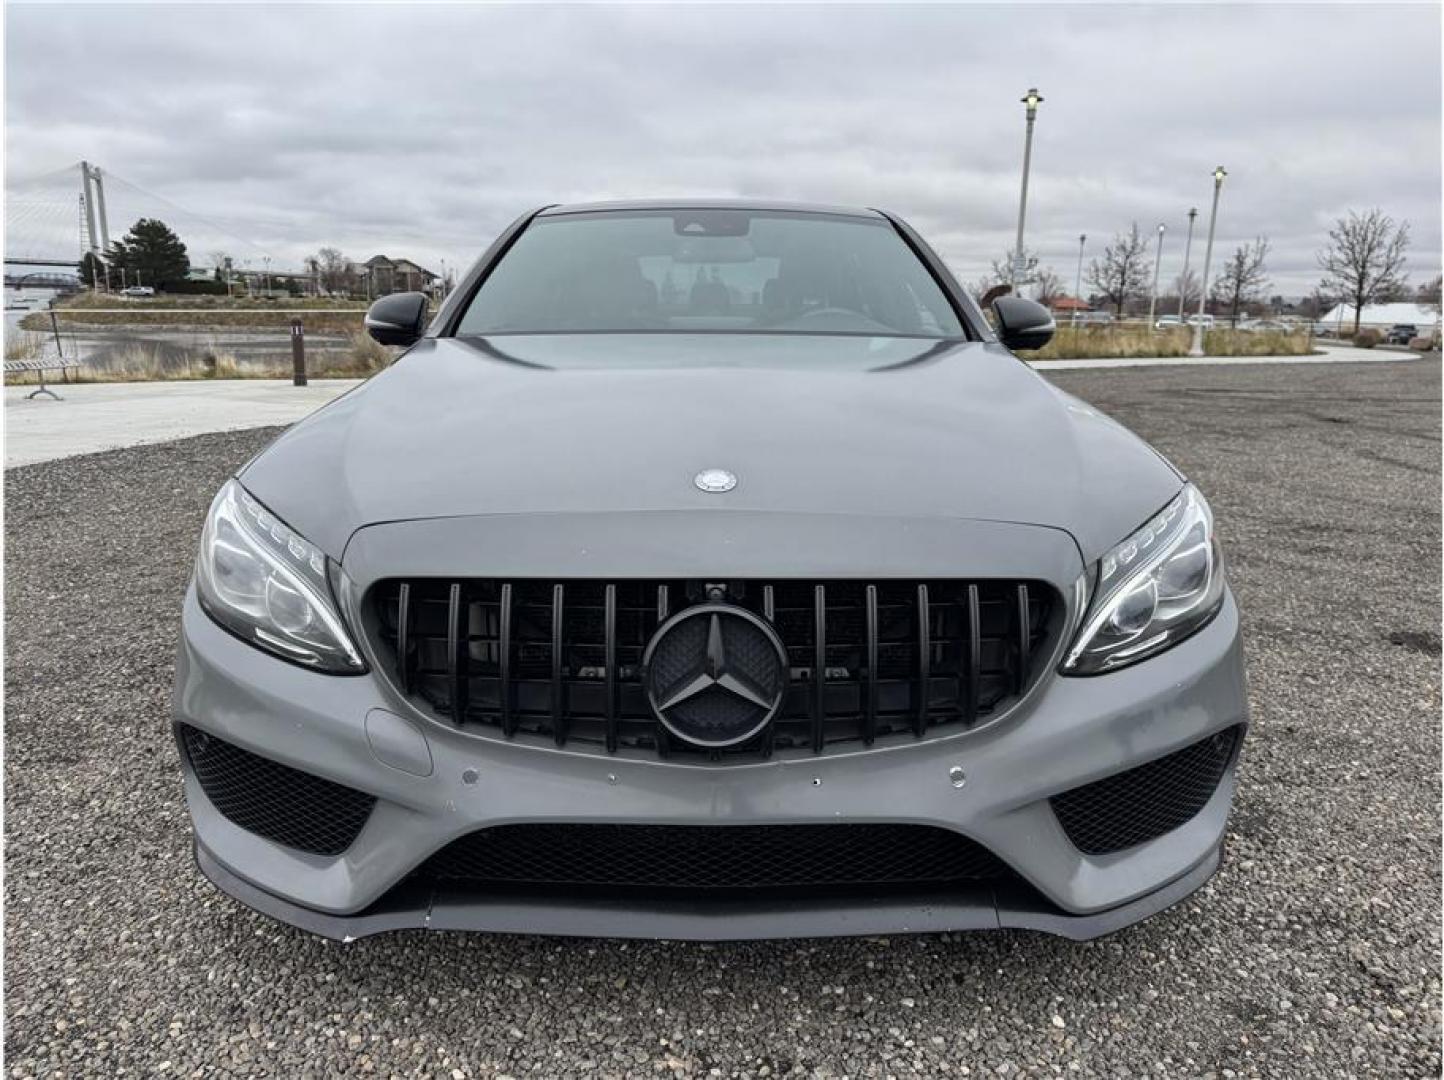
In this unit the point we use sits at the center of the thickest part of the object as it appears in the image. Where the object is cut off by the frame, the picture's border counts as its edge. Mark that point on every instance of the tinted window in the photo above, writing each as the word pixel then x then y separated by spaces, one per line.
pixel 710 270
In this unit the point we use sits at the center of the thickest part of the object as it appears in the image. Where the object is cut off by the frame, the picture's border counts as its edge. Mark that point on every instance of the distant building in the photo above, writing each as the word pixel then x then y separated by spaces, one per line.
pixel 1067 305
pixel 1382 316
pixel 386 275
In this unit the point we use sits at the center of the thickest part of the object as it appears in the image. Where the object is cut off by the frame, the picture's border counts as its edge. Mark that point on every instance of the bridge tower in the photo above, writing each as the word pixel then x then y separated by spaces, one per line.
pixel 92 192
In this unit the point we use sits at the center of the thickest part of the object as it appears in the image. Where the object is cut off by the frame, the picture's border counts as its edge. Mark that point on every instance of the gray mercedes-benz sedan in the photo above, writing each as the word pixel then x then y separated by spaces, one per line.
pixel 709 570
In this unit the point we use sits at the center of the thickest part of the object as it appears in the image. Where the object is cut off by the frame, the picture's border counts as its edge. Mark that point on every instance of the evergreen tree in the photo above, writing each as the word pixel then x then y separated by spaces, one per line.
pixel 151 254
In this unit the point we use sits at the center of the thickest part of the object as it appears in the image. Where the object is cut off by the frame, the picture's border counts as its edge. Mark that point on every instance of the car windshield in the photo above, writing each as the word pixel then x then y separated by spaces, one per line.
pixel 710 271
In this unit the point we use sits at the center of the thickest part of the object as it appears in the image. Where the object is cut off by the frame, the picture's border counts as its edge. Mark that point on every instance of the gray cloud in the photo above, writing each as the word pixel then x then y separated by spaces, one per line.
pixel 422 130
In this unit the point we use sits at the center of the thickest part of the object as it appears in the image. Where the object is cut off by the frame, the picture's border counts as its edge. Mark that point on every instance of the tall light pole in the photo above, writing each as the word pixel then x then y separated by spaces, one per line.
pixel 267 260
pixel 1197 348
pixel 1030 100
pixel 1183 279
pixel 1157 264
pixel 1078 281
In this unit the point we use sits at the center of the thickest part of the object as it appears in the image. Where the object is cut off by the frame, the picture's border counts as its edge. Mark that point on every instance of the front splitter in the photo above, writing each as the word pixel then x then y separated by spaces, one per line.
pixel 986 908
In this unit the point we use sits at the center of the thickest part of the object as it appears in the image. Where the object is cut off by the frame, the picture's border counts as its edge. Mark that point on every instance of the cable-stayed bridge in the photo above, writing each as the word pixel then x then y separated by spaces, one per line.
pixel 53 219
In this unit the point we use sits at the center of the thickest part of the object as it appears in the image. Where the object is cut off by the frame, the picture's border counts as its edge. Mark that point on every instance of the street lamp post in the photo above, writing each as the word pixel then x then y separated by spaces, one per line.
pixel 1157 265
pixel 1031 101
pixel 1078 281
pixel 1183 278
pixel 267 275
pixel 1197 348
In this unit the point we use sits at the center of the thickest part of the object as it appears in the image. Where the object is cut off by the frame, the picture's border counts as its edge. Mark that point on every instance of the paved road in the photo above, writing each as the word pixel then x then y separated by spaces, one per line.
pixel 1314 952
pixel 105 416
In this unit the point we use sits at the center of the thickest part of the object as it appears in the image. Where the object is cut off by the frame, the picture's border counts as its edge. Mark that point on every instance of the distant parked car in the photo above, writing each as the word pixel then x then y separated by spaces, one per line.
pixel 1323 329
pixel 1168 322
pixel 1193 320
pixel 1401 334
pixel 138 290
pixel 1260 325
pixel 1092 318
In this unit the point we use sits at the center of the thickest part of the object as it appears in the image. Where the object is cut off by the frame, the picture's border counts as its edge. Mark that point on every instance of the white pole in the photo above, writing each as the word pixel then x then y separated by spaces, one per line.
pixel 1031 100
pixel 1078 281
pixel 1187 249
pixel 1157 263
pixel 1196 349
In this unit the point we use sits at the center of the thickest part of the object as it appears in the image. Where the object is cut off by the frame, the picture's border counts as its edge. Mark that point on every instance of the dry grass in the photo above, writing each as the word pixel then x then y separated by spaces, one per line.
pixel 155 363
pixel 24 345
pixel 200 312
pixel 1093 342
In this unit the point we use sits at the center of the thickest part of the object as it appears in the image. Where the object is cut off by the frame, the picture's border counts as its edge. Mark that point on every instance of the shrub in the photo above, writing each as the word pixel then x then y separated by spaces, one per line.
pixel 195 288
pixel 1367 338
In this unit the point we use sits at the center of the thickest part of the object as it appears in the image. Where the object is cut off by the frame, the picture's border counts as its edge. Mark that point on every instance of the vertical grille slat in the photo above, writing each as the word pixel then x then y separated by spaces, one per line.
pixel 403 636
pixel 609 633
pixel 558 706
pixel 457 655
pixel 925 662
pixel 819 666
pixel 869 714
pixel 562 659
pixel 1023 641
pixel 972 642
pixel 503 650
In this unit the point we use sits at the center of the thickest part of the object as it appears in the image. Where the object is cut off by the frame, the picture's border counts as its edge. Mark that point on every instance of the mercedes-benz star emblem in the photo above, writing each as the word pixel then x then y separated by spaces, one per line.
pixel 715 481
pixel 715 674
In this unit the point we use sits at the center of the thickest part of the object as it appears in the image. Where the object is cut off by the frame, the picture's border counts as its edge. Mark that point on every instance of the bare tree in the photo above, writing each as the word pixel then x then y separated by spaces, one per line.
pixel 1364 259
pixel 333 270
pixel 1188 286
pixel 1124 270
pixel 1000 272
pixel 1429 295
pixel 1243 278
pixel 1048 287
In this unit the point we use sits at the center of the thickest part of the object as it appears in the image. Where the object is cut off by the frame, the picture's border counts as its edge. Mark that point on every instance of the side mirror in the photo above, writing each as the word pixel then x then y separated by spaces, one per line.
pixel 1023 324
pixel 398 319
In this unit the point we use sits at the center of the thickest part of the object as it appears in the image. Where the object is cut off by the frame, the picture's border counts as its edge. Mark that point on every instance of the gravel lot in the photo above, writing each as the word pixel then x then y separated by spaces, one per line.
pixel 1314 952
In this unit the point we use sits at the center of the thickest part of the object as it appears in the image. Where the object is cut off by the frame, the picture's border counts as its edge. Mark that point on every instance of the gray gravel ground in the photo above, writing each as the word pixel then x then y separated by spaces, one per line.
pixel 1315 951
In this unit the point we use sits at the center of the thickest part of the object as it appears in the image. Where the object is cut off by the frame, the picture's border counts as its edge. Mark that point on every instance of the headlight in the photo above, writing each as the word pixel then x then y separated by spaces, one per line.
pixel 264 582
pixel 1154 589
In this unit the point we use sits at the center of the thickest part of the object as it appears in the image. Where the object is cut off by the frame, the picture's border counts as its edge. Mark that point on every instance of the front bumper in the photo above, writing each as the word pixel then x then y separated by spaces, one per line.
pixel 1072 731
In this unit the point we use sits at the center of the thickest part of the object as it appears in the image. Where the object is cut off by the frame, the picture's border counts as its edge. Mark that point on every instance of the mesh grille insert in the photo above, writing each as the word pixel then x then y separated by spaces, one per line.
pixel 712 857
pixel 1146 802
pixel 273 800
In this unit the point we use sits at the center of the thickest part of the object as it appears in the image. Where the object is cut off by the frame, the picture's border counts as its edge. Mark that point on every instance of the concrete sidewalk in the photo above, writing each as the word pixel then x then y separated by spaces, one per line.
pixel 105 416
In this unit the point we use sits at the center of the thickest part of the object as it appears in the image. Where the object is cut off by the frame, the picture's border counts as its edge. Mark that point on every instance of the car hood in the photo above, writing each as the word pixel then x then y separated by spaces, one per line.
pixel 809 424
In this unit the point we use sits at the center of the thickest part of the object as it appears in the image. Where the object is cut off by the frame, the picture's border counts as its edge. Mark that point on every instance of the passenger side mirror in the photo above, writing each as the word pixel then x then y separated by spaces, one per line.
pixel 398 319
pixel 1023 324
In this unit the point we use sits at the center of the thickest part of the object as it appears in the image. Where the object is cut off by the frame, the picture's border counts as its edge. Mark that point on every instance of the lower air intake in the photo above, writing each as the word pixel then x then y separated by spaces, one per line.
pixel 274 800
pixel 1146 802
pixel 712 857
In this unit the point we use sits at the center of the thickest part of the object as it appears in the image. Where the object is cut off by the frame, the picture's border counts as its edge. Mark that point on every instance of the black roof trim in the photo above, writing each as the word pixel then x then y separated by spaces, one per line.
pixel 710 204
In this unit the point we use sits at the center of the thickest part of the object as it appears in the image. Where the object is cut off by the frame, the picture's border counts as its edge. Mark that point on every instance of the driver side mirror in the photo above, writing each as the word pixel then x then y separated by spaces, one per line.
pixel 398 319
pixel 1023 324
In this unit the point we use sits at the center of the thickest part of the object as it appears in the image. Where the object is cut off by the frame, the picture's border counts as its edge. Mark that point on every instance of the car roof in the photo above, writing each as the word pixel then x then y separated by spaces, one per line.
pixel 709 204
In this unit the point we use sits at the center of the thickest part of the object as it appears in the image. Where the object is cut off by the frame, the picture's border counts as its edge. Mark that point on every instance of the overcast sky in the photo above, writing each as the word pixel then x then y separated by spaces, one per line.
pixel 420 131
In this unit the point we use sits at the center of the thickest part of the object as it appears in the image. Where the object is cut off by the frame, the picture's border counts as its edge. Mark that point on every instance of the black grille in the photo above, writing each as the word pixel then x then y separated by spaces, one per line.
pixel 274 800
pixel 1147 801
pixel 562 659
pixel 705 857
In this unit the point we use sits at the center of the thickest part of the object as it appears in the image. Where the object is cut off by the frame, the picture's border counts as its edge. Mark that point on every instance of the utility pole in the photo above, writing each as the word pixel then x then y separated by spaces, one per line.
pixel 1078 281
pixel 1157 264
pixel 1187 247
pixel 1031 101
pixel 1197 348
